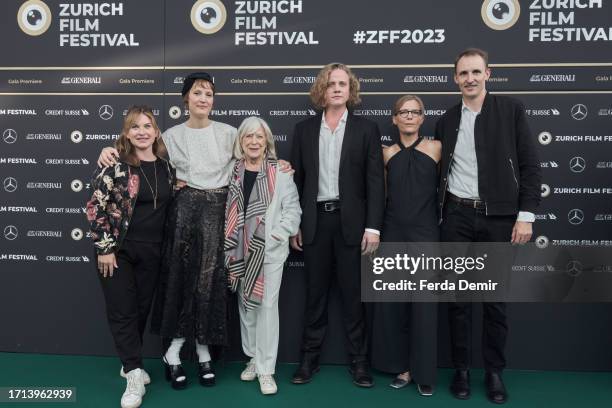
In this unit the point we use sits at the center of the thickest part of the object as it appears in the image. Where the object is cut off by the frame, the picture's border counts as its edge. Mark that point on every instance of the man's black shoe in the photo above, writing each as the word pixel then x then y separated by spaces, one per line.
pixel 496 391
pixel 460 387
pixel 361 374
pixel 305 372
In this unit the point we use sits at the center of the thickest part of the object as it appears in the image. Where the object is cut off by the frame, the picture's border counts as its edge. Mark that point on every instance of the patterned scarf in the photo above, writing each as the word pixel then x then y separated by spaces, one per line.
pixel 245 235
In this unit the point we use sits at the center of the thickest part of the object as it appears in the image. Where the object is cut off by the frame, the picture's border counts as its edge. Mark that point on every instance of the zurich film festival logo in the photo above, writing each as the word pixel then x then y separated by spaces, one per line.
pixel 34 17
pixel 500 14
pixel 208 16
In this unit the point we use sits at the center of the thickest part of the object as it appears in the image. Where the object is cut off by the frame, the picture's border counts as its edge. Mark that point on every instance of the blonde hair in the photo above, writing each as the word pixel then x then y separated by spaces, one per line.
pixel 124 145
pixel 249 126
pixel 319 87
pixel 402 100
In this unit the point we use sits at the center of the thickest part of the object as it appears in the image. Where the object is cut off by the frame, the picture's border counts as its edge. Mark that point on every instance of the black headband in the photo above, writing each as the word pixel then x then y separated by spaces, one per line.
pixel 191 78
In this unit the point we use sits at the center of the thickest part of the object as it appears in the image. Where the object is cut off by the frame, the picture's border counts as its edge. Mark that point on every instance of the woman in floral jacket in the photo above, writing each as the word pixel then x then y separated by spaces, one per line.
pixel 127 213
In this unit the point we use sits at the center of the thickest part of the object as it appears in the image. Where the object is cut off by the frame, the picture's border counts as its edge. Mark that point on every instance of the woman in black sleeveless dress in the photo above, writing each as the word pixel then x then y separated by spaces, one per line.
pixel 404 335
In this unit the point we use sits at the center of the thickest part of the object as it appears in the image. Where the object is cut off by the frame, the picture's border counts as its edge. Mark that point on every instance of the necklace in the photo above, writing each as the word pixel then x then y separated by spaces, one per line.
pixel 151 188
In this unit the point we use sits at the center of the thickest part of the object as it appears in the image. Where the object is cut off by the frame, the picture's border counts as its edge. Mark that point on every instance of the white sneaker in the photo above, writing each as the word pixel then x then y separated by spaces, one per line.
pixel 249 374
pixel 134 391
pixel 267 385
pixel 145 376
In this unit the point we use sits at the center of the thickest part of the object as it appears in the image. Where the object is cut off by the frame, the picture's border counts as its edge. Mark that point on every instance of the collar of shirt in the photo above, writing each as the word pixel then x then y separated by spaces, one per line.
pixel 464 108
pixel 342 120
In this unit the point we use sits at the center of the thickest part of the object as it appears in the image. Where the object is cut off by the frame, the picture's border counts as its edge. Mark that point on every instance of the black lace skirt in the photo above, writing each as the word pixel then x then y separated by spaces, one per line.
pixel 192 295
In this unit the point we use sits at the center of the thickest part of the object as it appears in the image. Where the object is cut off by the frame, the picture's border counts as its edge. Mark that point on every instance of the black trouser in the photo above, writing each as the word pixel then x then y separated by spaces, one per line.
pixel 464 224
pixel 328 249
pixel 128 294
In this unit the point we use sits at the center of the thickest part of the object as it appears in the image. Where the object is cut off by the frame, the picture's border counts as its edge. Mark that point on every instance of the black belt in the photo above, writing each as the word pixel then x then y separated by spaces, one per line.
pixel 328 206
pixel 466 202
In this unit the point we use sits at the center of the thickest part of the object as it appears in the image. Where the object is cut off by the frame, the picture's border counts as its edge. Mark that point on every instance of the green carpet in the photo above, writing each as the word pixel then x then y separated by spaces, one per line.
pixel 98 384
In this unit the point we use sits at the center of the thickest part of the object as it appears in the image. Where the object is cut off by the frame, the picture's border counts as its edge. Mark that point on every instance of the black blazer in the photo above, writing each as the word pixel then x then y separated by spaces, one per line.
pixel 361 178
pixel 509 174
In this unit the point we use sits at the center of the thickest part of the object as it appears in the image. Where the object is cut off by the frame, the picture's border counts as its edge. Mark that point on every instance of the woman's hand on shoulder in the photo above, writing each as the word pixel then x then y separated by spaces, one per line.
pixel 109 156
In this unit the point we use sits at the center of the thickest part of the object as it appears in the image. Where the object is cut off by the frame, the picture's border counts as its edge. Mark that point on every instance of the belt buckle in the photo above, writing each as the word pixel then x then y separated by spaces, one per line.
pixel 475 204
pixel 328 206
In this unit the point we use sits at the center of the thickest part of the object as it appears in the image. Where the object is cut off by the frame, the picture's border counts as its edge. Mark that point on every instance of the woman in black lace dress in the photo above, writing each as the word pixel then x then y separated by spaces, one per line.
pixel 404 335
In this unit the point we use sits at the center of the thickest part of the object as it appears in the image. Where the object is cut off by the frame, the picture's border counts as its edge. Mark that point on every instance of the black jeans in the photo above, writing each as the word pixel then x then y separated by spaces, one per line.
pixel 327 249
pixel 464 224
pixel 128 294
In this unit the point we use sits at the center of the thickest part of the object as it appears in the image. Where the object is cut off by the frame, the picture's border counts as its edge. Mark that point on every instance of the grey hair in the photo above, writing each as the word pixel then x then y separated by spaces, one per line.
pixel 251 125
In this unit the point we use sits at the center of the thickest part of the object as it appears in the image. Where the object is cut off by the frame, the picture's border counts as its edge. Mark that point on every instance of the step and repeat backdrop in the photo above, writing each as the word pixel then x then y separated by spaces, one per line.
pixel 70 69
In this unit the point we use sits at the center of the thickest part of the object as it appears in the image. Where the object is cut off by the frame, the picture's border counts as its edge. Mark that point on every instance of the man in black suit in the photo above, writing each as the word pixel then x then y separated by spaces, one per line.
pixel 340 178
pixel 489 190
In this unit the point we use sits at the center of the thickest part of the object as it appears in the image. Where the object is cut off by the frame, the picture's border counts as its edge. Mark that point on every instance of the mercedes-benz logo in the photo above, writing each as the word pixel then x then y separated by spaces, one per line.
pixel 105 112
pixel 10 184
pixel 577 164
pixel 9 136
pixel 542 241
pixel 575 216
pixel 545 190
pixel 579 111
pixel 10 232
pixel 574 268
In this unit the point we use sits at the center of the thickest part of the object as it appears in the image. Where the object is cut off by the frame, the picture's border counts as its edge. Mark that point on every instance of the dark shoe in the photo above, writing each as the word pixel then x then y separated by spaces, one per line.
pixel 425 390
pixel 175 374
pixel 460 387
pixel 305 371
pixel 399 382
pixel 496 391
pixel 361 374
pixel 206 374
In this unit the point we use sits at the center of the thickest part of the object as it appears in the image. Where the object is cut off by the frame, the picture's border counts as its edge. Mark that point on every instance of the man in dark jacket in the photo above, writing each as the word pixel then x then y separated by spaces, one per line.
pixel 489 190
pixel 339 174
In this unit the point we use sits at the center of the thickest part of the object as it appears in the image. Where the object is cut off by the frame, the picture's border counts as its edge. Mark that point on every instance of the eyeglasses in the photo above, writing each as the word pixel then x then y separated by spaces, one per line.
pixel 405 114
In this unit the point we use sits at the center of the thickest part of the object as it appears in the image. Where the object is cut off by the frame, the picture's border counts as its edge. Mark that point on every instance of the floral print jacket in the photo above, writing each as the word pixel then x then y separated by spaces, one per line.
pixel 110 208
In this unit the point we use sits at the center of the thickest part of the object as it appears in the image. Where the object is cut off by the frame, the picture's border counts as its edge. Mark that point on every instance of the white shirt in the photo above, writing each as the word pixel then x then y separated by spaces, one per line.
pixel 463 177
pixel 202 157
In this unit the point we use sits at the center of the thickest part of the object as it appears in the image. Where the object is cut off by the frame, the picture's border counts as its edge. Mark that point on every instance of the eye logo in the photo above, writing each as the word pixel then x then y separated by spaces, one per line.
pixel 208 16
pixel 34 17
pixel 545 138
pixel 76 234
pixel 542 241
pixel 545 190
pixel 174 112
pixel 500 14
pixel 76 185
pixel 76 136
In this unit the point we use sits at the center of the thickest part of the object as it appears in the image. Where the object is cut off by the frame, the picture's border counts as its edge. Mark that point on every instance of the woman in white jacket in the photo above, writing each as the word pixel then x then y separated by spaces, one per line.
pixel 262 212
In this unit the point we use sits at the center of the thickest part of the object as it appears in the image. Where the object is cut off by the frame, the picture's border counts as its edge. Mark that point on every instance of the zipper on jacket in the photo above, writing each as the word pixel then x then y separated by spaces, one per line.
pixel 445 187
pixel 513 173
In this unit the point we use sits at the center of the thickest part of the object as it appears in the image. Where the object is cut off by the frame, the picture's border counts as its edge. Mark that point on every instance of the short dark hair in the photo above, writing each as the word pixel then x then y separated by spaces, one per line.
pixel 470 52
